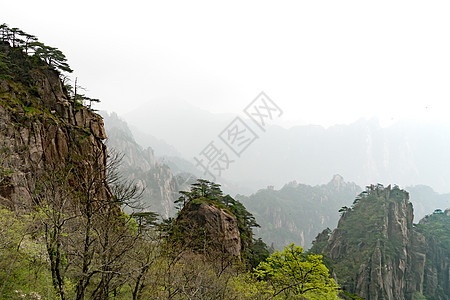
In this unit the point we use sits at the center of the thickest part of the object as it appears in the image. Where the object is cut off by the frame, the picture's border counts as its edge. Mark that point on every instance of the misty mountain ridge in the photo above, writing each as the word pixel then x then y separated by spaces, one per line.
pixel 72 211
pixel 179 124
pixel 294 213
pixel 297 212
pixel 407 152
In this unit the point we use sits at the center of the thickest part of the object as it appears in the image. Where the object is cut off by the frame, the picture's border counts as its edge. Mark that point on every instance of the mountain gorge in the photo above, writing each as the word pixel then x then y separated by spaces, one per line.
pixel 78 196
pixel 64 231
pixel 160 185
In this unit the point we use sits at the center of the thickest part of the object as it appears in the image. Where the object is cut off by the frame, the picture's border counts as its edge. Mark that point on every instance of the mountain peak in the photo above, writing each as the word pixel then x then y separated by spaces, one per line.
pixel 337 182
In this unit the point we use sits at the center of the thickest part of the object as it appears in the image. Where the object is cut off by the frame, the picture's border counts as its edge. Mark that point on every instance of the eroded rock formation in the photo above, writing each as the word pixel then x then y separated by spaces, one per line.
pixel 377 253
pixel 210 227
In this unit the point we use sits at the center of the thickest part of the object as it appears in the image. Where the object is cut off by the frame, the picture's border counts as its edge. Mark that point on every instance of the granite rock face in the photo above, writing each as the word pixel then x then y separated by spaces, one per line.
pixel 436 229
pixel 215 227
pixel 41 127
pixel 375 250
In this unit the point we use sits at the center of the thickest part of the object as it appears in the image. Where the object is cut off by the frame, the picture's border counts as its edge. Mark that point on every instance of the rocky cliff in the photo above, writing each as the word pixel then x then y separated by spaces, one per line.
pixel 436 229
pixel 41 127
pixel 376 252
pixel 210 227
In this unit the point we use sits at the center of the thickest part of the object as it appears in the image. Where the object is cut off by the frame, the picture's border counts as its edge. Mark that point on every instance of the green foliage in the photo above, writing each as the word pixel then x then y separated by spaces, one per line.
pixel 257 253
pixel 22 263
pixel 200 189
pixel 204 191
pixel 436 229
pixel 247 286
pixel 30 45
pixel 374 227
pixel 5 67
pixel 294 275
pixel 419 296
pixel 145 220
pixel 20 53
pixel 52 56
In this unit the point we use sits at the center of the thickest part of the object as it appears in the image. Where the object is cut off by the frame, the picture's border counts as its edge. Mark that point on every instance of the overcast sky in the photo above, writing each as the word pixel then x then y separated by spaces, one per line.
pixel 322 62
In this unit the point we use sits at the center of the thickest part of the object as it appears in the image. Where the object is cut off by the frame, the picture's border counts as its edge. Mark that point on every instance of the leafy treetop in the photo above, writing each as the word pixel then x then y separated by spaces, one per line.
pixel 295 275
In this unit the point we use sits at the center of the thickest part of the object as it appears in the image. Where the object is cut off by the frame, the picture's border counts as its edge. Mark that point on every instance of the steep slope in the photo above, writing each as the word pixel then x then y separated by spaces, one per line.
pixel 436 229
pixel 295 213
pixel 209 222
pixel 141 166
pixel 41 127
pixel 377 253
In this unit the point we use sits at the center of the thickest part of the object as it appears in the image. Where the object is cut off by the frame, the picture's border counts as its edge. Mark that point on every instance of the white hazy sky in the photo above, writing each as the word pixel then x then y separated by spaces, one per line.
pixel 322 62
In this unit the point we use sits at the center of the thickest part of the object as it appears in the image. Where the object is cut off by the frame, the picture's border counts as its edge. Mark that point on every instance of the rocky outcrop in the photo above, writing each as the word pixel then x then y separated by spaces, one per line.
pixel 206 225
pixel 41 127
pixel 436 229
pixel 375 251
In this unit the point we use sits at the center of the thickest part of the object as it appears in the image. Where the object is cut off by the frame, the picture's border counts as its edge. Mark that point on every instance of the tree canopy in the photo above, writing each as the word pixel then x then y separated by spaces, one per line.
pixel 294 275
pixel 31 46
pixel 21 52
pixel 204 190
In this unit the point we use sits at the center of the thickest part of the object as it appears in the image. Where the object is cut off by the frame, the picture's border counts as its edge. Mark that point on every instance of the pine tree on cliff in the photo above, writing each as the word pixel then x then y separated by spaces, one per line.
pixel 30 45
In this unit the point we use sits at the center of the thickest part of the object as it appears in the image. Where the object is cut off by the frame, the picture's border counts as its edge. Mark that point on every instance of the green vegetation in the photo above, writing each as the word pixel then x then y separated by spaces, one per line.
pixel 294 275
pixel 436 226
pixel 74 240
pixel 30 45
pixel 436 229
pixel 376 235
pixel 22 265
pixel 204 191
pixel 76 244
pixel 362 230
pixel 297 212
pixel 21 53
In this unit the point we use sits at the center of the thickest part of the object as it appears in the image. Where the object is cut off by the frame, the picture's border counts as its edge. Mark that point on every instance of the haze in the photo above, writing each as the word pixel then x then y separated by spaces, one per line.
pixel 322 62
pixel 181 71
